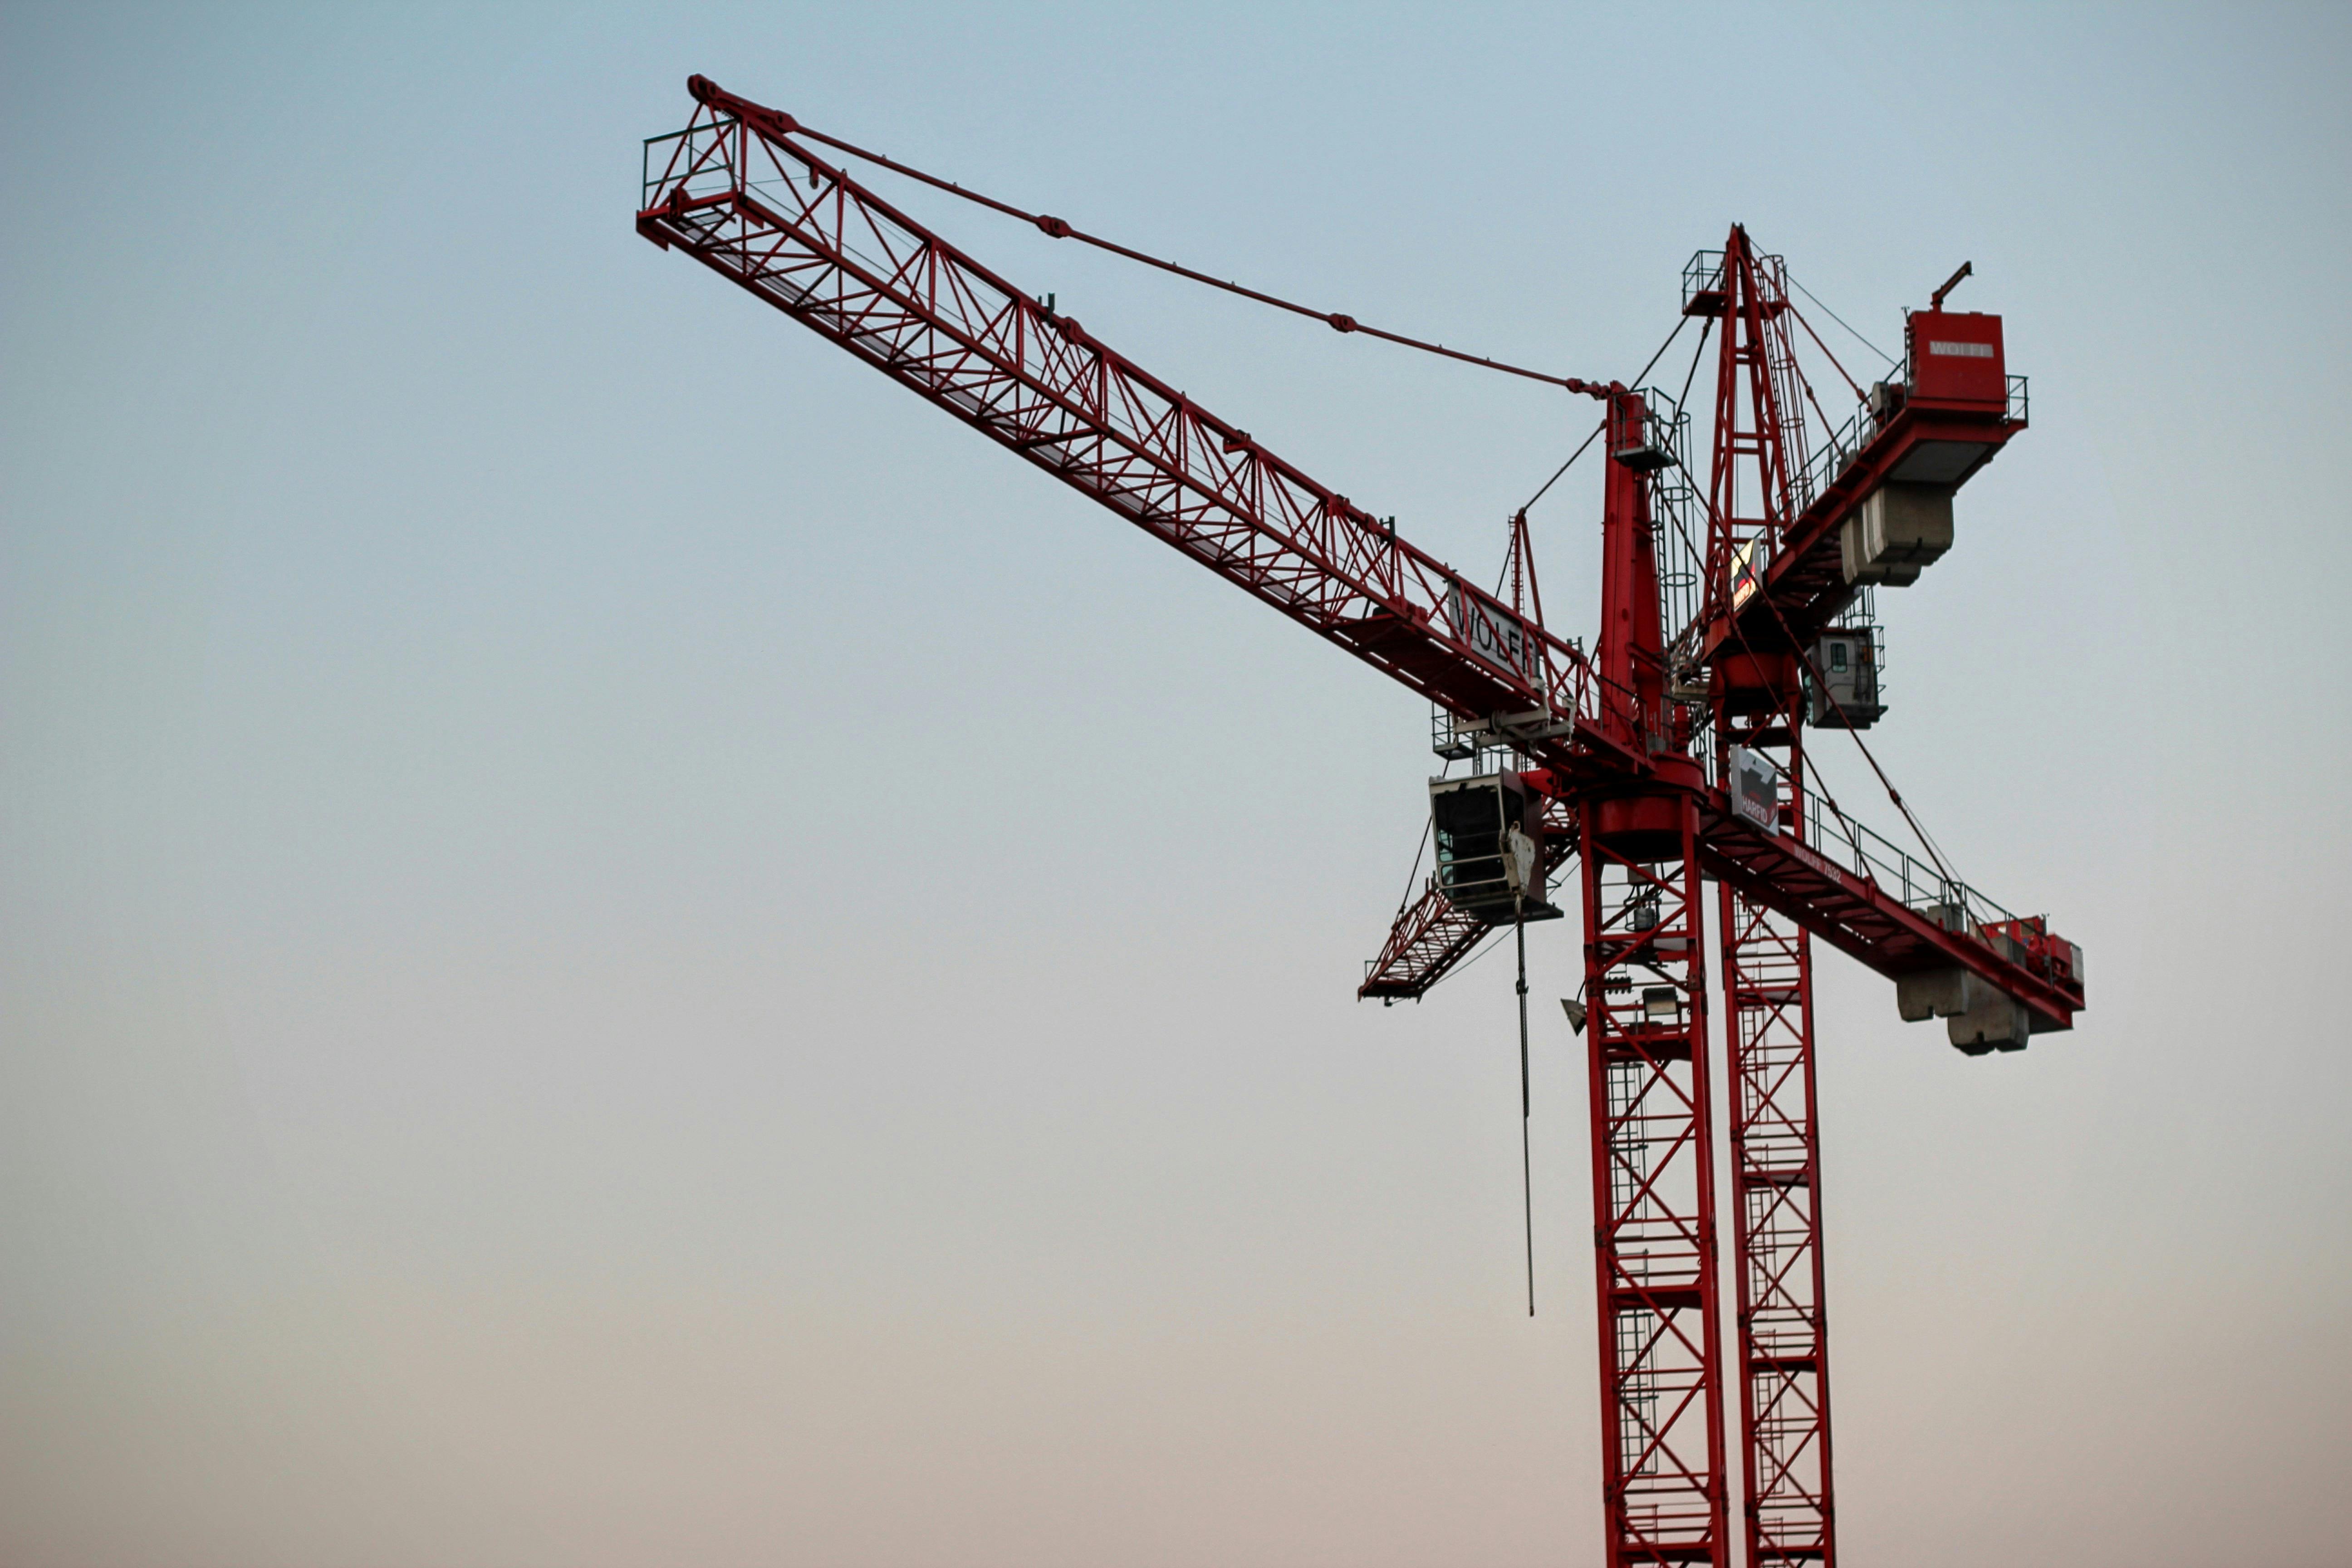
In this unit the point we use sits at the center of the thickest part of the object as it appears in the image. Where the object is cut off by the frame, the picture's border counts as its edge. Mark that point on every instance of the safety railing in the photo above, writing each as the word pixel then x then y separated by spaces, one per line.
pixel 701 158
pixel 1845 444
pixel 1675 511
pixel 1828 460
pixel 1702 274
pixel 1478 887
pixel 1847 844
pixel 697 157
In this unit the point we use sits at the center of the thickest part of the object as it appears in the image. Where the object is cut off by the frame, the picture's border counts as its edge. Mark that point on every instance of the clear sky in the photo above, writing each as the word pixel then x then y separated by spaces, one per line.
pixel 620 945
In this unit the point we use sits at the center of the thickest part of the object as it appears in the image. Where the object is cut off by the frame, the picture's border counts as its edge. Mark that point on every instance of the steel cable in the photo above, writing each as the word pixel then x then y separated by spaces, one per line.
pixel 1059 228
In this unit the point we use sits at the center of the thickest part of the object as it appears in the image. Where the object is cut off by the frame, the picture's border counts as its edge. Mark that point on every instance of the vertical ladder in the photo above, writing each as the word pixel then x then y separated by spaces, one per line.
pixel 1787 382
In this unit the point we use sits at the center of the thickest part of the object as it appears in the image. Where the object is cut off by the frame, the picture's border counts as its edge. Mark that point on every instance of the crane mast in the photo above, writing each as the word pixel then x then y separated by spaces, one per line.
pixel 1672 755
pixel 1650 1093
pixel 1767 967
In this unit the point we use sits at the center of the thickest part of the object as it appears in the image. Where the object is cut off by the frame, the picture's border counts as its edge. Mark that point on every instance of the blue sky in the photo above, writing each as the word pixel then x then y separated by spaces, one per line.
pixel 621 944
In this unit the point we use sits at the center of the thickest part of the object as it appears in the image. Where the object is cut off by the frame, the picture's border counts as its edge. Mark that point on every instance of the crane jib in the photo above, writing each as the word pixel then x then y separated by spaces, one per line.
pixel 807 238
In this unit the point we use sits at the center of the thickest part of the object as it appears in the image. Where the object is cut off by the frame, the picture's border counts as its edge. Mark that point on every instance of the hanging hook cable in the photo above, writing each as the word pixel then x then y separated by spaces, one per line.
pixel 1527 1167
pixel 1059 228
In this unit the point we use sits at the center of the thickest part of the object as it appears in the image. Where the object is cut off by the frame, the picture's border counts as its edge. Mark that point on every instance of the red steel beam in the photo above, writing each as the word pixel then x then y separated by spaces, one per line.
pixel 1429 936
pixel 739 195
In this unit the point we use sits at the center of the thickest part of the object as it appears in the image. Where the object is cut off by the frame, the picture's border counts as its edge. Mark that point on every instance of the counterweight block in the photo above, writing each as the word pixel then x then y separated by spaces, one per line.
pixel 1980 1016
pixel 1898 530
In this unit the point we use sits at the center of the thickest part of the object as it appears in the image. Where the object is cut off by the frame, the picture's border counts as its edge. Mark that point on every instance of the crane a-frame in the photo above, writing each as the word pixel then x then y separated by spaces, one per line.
pixel 1734 619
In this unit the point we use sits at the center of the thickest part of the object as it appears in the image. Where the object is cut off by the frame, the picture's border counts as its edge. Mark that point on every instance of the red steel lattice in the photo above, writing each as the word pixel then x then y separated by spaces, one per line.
pixel 1613 741
pixel 736 194
pixel 1654 1197
pixel 1783 1338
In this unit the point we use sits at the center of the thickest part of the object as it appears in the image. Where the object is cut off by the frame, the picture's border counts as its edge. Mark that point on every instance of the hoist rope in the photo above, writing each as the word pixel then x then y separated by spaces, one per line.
pixel 1339 320
pixel 1698 352
pixel 1526 1161
pixel 1821 682
pixel 1853 385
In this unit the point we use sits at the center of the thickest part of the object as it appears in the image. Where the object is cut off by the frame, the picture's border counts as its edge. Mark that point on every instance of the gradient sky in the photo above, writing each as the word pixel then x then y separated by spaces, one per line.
pixel 619 945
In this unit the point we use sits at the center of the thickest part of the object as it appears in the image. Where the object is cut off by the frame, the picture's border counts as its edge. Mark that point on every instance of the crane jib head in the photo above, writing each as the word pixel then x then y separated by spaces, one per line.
pixel 768 122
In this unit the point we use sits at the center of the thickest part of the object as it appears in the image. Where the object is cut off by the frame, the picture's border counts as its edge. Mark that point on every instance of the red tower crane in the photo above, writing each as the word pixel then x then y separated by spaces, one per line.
pixel 1732 621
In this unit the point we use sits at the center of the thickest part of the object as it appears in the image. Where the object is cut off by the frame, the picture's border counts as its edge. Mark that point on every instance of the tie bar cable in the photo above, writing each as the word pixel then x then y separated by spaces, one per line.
pixel 1058 228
